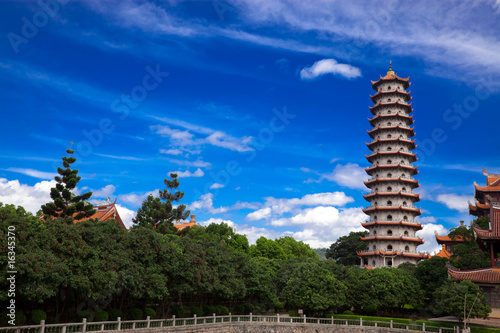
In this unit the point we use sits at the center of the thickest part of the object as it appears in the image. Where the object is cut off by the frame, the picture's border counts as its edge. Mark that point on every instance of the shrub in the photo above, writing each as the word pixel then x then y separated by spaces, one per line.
pixel 209 310
pixel 85 314
pixel 150 312
pixel 101 315
pixel 135 314
pixel 248 307
pixel 256 309
pixel 222 310
pixel 114 314
pixel 278 306
pixel 37 316
pixel 239 309
pixel 177 311
pixel 293 313
pixel 348 312
pixel 196 310
pixel 20 318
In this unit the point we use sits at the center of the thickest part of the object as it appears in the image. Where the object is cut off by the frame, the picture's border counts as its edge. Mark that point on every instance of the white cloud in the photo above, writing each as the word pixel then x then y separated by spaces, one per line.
pixel 126 214
pixel 136 199
pixel 349 175
pixel 427 219
pixel 278 207
pixel 215 186
pixel 205 203
pixel 329 66
pixel 127 158
pixel 197 164
pixel 260 214
pixel 428 234
pixel 29 197
pixel 221 139
pixel 187 173
pixel 171 151
pixel 455 201
pixel 104 192
pixel 33 173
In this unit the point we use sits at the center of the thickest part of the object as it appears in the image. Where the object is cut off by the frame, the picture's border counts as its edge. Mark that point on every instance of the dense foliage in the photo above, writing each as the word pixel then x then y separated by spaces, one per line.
pixel 343 251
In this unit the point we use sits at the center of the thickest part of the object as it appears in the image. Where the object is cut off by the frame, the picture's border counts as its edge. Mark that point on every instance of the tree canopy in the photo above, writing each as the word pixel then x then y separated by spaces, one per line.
pixel 343 251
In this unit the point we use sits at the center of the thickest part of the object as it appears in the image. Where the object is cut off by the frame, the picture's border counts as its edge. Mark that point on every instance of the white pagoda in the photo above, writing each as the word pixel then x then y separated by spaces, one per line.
pixel 392 238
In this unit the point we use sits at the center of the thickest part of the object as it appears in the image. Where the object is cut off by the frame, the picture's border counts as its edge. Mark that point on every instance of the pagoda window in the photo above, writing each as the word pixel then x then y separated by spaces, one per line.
pixel 389 111
pixel 402 162
pixel 401 136
pixel 389 124
pixel 389 263
pixel 389 247
pixel 373 263
pixel 389 88
pixel 389 203
pixel 389 217
pixel 389 149
pixel 374 247
pixel 389 175
pixel 406 233
pixel 388 100
pixel 389 136
pixel 403 190
pixel 389 189
pixel 374 232
pixel 405 204
pixel 389 161
pixel 376 203
pixel 407 248
pixel 389 232
pixel 405 218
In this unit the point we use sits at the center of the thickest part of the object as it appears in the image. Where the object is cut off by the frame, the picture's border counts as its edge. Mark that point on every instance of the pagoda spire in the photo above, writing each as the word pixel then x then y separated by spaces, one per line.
pixel 390 72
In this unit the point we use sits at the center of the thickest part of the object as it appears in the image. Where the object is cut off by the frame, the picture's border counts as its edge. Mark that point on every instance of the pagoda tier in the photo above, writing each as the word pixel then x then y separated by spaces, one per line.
pixel 405 95
pixel 377 168
pixel 392 238
pixel 417 226
pixel 394 106
pixel 396 128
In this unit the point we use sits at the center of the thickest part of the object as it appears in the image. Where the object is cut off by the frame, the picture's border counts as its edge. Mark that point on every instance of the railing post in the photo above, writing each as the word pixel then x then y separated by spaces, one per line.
pixel 278 318
pixel 63 330
pixel 102 327
pixel 238 319
pixel 440 330
pixel 304 319
pixel 119 324
pixel 195 320
pixel 391 323
pixel 173 320
pixel 42 326
pixel 230 320
pixel 251 317
pixel 148 321
pixel 423 326
pixel 360 321
pixel 84 328
pixel 133 325
pixel 215 319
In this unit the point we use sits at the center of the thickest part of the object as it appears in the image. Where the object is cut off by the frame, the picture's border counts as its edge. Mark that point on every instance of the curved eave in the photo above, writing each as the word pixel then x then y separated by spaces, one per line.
pixel 396 238
pixel 482 275
pixel 406 82
pixel 411 142
pixel 392 194
pixel 486 234
pixel 396 115
pixel 486 188
pixel 371 169
pixel 374 108
pixel 406 224
pixel 373 132
pixel 393 253
pixel 404 94
pixel 413 156
pixel 377 208
pixel 368 183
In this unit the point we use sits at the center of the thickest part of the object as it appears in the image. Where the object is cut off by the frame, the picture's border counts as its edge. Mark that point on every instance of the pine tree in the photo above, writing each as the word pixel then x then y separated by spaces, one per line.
pixel 161 215
pixel 66 203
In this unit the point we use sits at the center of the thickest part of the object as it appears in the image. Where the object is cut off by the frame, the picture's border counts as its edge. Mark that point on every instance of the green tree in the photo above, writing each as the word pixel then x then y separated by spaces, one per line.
pixel 343 251
pixel 65 203
pixel 452 297
pixel 296 249
pixel 160 215
pixel 431 274
pixel 313 288
pixel 467 254
pixel 267 248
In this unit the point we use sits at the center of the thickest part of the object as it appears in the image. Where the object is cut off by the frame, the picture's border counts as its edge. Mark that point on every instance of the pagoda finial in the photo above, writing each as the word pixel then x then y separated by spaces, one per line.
pixel 390 72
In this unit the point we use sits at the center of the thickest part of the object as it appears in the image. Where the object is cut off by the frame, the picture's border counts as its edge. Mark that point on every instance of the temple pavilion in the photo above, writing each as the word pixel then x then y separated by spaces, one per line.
pixel 392 238
pixel 487 204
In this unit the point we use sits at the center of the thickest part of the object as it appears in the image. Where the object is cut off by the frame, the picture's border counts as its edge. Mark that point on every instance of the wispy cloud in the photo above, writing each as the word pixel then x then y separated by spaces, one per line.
pixel 350 175
pixel 104 192
pixel 216 186
pixel 329 66
pixel 455 201
pixel 33 173
pixel 127 158
pixel 187 173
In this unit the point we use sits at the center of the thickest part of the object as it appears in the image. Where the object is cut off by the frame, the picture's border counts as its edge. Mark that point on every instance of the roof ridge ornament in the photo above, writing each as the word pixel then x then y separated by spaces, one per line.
pixel 390 72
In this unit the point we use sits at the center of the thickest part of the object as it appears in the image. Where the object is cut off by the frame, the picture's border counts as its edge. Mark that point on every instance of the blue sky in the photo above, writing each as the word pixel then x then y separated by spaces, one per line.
pixel 260 106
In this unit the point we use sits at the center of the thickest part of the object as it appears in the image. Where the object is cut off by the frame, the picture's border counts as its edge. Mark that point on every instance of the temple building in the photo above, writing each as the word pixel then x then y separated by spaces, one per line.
pixel 447 243
pixel 104 211
pixel 392 238
pixel 487 204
